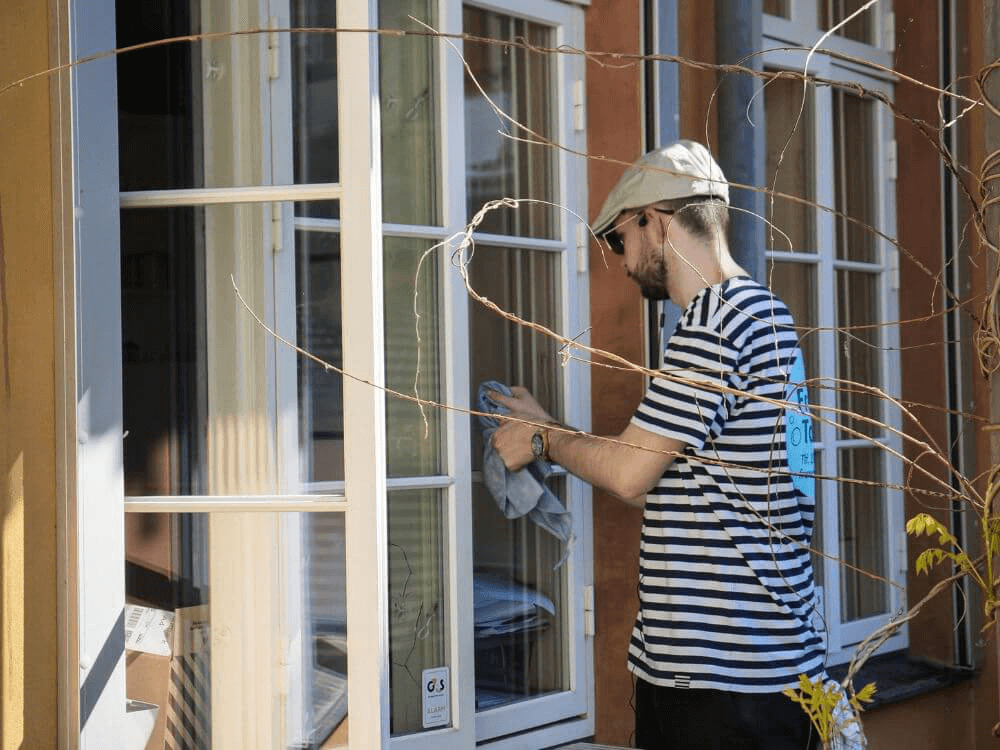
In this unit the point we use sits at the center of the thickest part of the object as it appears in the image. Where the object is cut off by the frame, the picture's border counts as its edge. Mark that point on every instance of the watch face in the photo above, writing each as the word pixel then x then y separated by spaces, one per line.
pixel 537 445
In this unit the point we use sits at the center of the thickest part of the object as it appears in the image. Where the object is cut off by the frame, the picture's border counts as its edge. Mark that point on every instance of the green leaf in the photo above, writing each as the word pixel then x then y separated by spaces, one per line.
pixel 916 524
pixel 920 565
pixel 924 523
pixel 867 693
pixel 927 560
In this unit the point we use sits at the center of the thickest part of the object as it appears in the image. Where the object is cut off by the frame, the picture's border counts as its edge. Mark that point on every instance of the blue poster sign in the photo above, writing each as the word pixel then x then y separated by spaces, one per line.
pixel 798 431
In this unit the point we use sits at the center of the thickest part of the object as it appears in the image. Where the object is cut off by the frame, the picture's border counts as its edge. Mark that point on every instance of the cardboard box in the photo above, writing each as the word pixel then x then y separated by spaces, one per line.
pixel 337 740
pixel 177 682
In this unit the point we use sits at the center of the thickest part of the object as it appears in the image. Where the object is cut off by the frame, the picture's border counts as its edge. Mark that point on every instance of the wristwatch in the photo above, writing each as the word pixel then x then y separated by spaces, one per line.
pixel 540 445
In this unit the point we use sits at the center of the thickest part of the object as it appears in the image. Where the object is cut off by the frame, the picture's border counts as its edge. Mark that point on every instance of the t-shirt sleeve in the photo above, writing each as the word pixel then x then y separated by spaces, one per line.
pixel 689 403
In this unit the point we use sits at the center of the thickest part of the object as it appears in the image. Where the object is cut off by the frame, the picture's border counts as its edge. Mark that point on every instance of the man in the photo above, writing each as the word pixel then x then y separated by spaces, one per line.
pixel 726 593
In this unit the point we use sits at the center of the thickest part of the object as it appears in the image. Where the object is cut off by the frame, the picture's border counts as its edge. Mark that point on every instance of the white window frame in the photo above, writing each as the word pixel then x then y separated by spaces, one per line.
pixel 569 715
pixel 801 31
pixel 101 503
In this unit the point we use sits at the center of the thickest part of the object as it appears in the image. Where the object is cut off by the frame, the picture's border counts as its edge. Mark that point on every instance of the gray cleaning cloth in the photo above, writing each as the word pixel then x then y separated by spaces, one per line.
pixel 522 492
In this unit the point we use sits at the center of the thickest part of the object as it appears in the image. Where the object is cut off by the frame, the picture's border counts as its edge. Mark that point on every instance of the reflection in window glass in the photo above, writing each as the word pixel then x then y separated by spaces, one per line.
pixel 863 531
pixel 325 627
pixel 521 606
pixel 789 138
pixel 162 323
pixel 795 285
pixel 189 115
pixel 854 160
pixel 166 559
pixel 316 129
pixel 195 385
pixel 408 94
pixel 818 561
pixel 158 92
pixel 168 624
pixel 175 618
pixel 418 637
pixel 858 351
pixel 526 284
pixel 777 7
pixel 861 29
pixel 520 83
pixel 318 324
pixel 413 358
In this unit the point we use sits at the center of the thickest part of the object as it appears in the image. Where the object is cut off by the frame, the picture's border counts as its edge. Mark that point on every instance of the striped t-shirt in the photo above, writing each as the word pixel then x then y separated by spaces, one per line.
pixel 726 588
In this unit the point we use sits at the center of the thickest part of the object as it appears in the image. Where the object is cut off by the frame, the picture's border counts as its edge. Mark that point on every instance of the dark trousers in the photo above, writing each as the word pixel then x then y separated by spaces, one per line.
pixel 718 720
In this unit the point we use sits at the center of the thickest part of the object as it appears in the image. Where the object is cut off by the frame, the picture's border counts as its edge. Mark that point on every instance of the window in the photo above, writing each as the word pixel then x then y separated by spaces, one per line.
pixel 324 545
pixel 861 28
pixel 839 279
pixel 777 7
pixel 824 14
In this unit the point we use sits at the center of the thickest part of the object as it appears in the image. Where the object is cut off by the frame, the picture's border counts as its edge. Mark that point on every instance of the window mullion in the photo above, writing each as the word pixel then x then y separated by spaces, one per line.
pixel 364 403
pixel 575 316
pixel 457 388
pixel 826 394
pixel 234 503
pixel 890 339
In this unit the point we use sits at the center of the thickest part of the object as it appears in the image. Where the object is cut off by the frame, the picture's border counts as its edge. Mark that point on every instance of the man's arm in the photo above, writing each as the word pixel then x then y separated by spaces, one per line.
pixel 625 466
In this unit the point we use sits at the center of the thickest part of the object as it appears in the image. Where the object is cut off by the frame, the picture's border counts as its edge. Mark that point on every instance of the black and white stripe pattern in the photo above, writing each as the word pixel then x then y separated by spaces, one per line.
pixel 726 583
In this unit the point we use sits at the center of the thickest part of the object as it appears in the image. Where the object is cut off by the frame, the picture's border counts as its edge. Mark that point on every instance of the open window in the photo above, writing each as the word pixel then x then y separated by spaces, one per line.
pixel 323 544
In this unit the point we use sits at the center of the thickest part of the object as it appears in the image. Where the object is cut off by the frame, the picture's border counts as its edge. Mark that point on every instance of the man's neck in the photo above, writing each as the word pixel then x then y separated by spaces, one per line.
pixel 698 266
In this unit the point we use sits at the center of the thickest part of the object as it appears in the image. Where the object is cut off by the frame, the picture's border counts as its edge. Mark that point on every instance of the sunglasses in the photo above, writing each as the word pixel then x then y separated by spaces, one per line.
pixel 615 242
pixel 614 238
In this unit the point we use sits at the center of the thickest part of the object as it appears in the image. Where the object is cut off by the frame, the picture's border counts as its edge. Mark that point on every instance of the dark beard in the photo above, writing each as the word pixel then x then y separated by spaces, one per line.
pixel 653 292
pixel 652 281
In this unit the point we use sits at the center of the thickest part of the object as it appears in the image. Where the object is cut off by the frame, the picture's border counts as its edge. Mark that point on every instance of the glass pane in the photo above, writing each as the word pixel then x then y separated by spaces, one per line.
pixel 195 390
pixel 315 124
pixel 190 114
pixel 789 139
pixel 521 605
pixel 418 597
pixel 324 570
pixel 318 323
pixel 861 29
pixel 854 159
pixel 411 185
pixel 522 84
pixel 525 283
pixel 522 640
pixel 817 541
pixel 863 535
pixel 776 7
pixel 858 352
pixel 795 284
pixel 188 571
pixel 414 439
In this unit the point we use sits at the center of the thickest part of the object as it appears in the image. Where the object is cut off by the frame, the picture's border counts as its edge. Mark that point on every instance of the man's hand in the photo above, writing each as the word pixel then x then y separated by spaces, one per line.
pixel 522 405
pixel 626 465
pixel 512 440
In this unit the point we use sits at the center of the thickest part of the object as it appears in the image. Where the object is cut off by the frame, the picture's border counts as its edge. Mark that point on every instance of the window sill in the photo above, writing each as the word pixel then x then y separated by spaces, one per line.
pixel 898 677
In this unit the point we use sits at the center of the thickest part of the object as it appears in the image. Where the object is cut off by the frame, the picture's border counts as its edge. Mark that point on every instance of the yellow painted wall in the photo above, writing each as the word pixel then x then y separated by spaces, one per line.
pixel 28 674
